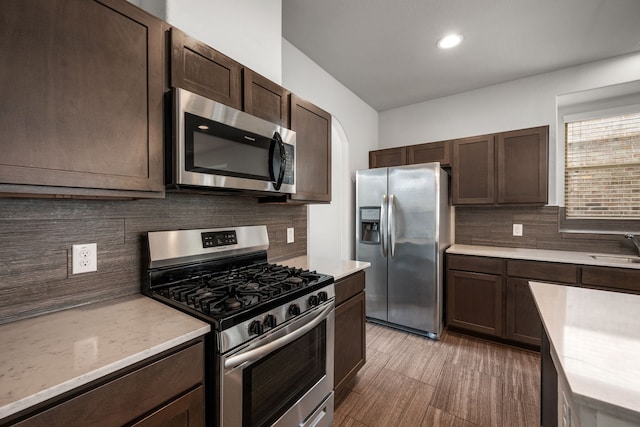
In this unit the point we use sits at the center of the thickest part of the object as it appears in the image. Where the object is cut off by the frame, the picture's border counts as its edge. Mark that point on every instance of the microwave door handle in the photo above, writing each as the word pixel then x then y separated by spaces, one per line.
pixel 277 139
pixel 259 352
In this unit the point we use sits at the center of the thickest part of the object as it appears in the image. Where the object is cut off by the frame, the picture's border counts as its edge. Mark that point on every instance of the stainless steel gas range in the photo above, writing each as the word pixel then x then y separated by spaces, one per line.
pixel 269 358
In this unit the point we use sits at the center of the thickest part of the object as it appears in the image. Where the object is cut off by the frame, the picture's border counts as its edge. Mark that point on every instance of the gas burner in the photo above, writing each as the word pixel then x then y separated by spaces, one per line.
pixel 225 287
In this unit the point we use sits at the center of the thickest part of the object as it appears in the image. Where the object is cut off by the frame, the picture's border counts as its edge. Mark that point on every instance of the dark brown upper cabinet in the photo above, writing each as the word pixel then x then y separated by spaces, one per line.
pixel 430 152
pixel 201 69
pixel 522 161
pixel 313 151
pixel 388 157
pixel 473 181
pixel 506 168
pixel 82 95
pixel 265 99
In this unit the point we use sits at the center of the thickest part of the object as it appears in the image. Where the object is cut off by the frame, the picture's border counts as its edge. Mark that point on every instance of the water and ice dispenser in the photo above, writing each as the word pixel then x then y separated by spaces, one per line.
pixel 370 225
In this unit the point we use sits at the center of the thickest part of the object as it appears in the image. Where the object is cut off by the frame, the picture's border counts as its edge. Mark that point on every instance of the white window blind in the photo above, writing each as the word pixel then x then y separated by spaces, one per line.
pixel 602 167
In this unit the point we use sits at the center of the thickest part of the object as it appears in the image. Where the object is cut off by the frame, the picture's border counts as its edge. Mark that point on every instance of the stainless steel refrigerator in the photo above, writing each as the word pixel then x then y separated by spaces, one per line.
pixel 402 229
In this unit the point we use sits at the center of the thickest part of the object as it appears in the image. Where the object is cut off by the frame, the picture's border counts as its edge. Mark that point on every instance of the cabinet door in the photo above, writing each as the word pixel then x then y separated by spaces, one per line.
pixel 523 321
pixel 82 99
pixel 265 99
pixel 185 411
pixel 474 302
pixel 313 151
pixel 473 179
pixel 430 152
pixel 388 157
pixel 201 69
pixel 522 167
pixel 350 347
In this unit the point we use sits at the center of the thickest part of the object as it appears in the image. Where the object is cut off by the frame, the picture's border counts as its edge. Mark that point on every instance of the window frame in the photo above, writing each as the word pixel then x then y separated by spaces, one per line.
pixel 589 225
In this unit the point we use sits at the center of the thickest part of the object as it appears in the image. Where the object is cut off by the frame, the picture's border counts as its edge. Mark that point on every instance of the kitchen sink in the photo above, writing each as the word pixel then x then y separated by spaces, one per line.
pixel 618 259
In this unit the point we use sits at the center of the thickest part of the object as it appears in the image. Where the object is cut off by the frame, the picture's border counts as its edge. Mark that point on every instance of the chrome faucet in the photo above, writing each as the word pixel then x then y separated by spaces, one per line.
pixel 635 241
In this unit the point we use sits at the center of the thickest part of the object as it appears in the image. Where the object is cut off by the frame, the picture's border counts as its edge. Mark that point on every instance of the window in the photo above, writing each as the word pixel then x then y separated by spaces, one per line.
pixel 602 168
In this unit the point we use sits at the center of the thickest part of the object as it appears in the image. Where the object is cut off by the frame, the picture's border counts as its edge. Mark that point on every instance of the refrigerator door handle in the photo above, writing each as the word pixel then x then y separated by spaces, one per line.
pixel 392 226
pixel 383 225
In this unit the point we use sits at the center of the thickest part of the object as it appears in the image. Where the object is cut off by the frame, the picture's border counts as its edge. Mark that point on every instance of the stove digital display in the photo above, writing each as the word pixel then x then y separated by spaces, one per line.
pixel 219 238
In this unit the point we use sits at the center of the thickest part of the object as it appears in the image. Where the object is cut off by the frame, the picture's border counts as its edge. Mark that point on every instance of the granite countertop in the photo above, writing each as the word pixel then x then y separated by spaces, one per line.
pixel 595 345
pixel 45 356
pixel 568 257
pixel 334 267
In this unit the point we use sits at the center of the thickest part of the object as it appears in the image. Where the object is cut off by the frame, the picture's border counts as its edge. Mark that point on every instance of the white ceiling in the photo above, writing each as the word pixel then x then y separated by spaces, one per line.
pixel 385 50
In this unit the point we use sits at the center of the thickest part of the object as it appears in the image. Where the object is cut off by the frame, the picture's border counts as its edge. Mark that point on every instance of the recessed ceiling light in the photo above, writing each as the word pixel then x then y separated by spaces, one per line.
pixel 449 41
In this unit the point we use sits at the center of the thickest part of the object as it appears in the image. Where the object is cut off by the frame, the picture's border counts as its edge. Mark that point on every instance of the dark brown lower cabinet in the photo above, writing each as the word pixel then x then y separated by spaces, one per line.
pixel 350 344
pixel 482 296
pixel 477 302
pixel 522 319
pixel 474 302
pixel 164 391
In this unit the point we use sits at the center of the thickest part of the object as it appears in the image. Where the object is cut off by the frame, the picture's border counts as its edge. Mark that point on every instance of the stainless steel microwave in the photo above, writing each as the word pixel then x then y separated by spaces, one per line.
pixel 216 147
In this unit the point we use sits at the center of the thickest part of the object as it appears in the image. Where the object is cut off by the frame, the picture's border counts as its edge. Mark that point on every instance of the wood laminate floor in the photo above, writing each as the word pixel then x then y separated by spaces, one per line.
pixel 458 381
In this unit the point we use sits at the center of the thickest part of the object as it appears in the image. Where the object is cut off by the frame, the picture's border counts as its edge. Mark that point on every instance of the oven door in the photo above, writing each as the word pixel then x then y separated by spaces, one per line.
pixel 284 378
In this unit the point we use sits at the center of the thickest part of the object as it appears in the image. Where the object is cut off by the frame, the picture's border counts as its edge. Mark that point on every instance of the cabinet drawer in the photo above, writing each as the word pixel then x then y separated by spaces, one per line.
pixel 129 396
pixel 555 272
pixel 622 279
pixel 349 286
pixel 476 264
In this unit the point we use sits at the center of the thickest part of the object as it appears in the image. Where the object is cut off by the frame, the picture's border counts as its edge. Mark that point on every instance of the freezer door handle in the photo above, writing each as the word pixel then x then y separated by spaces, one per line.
pixel 392 225
pixel 383 226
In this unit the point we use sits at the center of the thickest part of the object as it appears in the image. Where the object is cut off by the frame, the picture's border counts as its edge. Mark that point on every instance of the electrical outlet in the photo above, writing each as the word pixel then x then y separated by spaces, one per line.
pixel 290 236
pixel 517 229
pixel 84 258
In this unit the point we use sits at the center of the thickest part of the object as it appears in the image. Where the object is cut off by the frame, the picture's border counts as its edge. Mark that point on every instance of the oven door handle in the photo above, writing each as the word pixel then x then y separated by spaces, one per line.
pixel 259 352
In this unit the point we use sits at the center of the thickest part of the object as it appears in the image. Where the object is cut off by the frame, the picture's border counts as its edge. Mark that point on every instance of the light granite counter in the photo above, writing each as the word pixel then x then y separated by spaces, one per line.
pixel 595 347
pixel 45 356
pixel 568 257
pixel 336 268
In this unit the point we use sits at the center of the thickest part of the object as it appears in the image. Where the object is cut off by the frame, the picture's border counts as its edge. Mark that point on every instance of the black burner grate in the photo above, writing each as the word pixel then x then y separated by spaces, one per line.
pixel 237 289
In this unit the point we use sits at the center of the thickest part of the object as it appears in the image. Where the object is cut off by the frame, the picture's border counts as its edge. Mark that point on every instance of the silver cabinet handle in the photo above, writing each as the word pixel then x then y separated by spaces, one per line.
pixel 392 225
pixel 259 352
pixel 383 225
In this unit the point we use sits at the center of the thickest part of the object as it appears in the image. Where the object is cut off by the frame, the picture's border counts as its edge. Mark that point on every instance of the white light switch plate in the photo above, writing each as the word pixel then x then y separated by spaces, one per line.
pixel 290 237
pixel 517 229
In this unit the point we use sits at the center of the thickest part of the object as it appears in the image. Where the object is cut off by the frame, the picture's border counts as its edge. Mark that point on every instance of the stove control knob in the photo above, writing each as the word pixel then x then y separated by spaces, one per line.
pixel 313 300
pixel 294 309
pixel 323 296
pixel 270 321
pixel 256 327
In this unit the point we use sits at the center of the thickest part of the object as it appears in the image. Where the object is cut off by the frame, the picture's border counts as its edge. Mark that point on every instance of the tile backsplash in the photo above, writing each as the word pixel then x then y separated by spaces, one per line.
pixel 36 236
pixel 493 226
